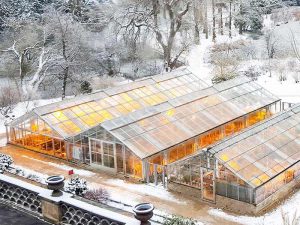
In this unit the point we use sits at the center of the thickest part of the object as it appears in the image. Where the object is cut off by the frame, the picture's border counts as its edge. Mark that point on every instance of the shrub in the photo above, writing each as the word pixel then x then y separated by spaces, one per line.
pixel 252 72
pixel 178 220
pixel 98 195
pixel 86 87
pixel 8 99
pixel 76 186
pixel 5 162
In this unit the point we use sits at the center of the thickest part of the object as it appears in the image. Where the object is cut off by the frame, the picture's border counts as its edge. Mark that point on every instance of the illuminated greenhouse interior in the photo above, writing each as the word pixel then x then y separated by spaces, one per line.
pixel 250 166
pixel 139 127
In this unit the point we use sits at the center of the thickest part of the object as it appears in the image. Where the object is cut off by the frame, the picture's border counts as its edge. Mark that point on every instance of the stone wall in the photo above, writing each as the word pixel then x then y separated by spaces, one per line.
pixel 184 189
pixel 58 210
pixel 239 206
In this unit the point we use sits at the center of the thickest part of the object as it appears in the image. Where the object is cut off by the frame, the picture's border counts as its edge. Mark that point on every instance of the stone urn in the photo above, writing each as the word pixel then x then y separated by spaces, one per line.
pixel 55 183
pixel 143 212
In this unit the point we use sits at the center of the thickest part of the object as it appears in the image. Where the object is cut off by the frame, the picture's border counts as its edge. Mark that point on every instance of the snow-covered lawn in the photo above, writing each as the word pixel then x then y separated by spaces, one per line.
pixel 289 207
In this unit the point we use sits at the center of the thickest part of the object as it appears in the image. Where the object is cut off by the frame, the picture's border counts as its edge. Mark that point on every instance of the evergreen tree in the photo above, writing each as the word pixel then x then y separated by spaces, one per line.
pixel 85 87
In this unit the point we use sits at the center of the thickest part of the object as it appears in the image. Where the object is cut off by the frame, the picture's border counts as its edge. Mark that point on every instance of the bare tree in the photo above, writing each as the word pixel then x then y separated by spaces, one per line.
pixel 149 16
pixel 197 13
pixel 205 30
pixel 175 22
pixel 67 34
pixel 8 99
pixel 214 21
pixel 225 60
pixel 32 57
pixel 271 47
pixel 230 18
pixel 295 46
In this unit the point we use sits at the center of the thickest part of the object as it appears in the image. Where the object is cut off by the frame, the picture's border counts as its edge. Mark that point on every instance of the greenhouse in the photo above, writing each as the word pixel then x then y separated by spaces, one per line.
pixel 255 166
pixel 137 128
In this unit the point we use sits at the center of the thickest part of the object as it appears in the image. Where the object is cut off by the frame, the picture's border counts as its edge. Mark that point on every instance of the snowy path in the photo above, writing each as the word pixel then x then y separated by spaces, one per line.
pixel 123 191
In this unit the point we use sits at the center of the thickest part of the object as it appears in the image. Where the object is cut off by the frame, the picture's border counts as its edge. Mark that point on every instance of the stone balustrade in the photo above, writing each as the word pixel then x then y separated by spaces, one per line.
pixel 59 210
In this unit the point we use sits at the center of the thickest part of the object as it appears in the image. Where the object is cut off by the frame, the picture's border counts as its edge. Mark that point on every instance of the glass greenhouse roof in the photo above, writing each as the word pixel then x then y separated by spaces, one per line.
pixel 152 114
pixel 197 113
pixel 74 116
pixel 264 150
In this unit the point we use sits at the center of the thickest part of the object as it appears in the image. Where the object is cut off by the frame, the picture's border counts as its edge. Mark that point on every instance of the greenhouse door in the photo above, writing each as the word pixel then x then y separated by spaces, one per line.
pixel 207 184
pixel 103 153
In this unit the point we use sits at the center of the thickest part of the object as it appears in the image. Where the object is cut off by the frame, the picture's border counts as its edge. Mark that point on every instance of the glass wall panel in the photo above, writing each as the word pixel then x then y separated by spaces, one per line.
pixel 277 182
pixel 133 164
pixel 38 142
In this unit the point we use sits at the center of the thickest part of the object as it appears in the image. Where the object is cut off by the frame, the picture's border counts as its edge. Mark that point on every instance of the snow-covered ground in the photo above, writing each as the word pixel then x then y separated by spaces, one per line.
pixel 158 192
pixel 62 166
pixel 288 90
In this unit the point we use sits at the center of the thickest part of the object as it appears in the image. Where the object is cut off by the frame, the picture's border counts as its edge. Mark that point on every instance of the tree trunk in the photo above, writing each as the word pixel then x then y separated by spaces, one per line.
pixel 240 28
pixel 22 67
pixel 240 23
pixel 221 21
pixel 205 20
pixel 196 27
pixel 66 66
pixel 214 21
pixel 65 77
pixel 197 35
pixel 230 19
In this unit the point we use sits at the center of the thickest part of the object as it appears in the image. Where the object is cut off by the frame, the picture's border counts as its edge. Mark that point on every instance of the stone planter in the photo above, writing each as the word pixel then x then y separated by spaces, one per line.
pixel 143 212
pixel 55 183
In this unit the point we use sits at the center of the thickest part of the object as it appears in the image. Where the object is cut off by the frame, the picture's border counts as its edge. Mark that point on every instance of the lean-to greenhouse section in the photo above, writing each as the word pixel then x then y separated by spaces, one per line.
pixel 254 166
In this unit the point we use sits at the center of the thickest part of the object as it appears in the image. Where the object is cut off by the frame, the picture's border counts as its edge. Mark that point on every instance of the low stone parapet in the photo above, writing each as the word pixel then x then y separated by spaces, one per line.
pixel 58 210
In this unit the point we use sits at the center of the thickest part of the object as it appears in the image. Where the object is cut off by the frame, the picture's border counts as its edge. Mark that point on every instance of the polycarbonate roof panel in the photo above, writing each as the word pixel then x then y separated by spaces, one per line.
pixel 184 121
pixel 261 152
pixel 155 113
pixel 120 105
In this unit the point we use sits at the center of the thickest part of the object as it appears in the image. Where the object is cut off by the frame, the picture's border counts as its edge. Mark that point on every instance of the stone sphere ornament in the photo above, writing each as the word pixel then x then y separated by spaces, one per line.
pixel 143 212
pixel 55 183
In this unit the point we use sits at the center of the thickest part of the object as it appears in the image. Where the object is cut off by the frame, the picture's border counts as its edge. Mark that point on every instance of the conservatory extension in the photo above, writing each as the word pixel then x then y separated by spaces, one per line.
pixel 258 166
pixel 137 128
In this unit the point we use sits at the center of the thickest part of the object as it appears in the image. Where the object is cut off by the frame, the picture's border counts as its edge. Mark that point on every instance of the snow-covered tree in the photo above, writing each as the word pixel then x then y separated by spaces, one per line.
pixel 67 37
pixel 163 19
pixel 28 45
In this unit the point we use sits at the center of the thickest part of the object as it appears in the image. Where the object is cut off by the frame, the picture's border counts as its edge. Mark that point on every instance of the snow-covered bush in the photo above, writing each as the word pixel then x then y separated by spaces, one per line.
pixel 178 220
pixel 28 175
pixel 76 186
pixel 34 177
pixel 19 172
pixel 98 195
pixel 5 161
pixel 8 99
pixel 252 72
